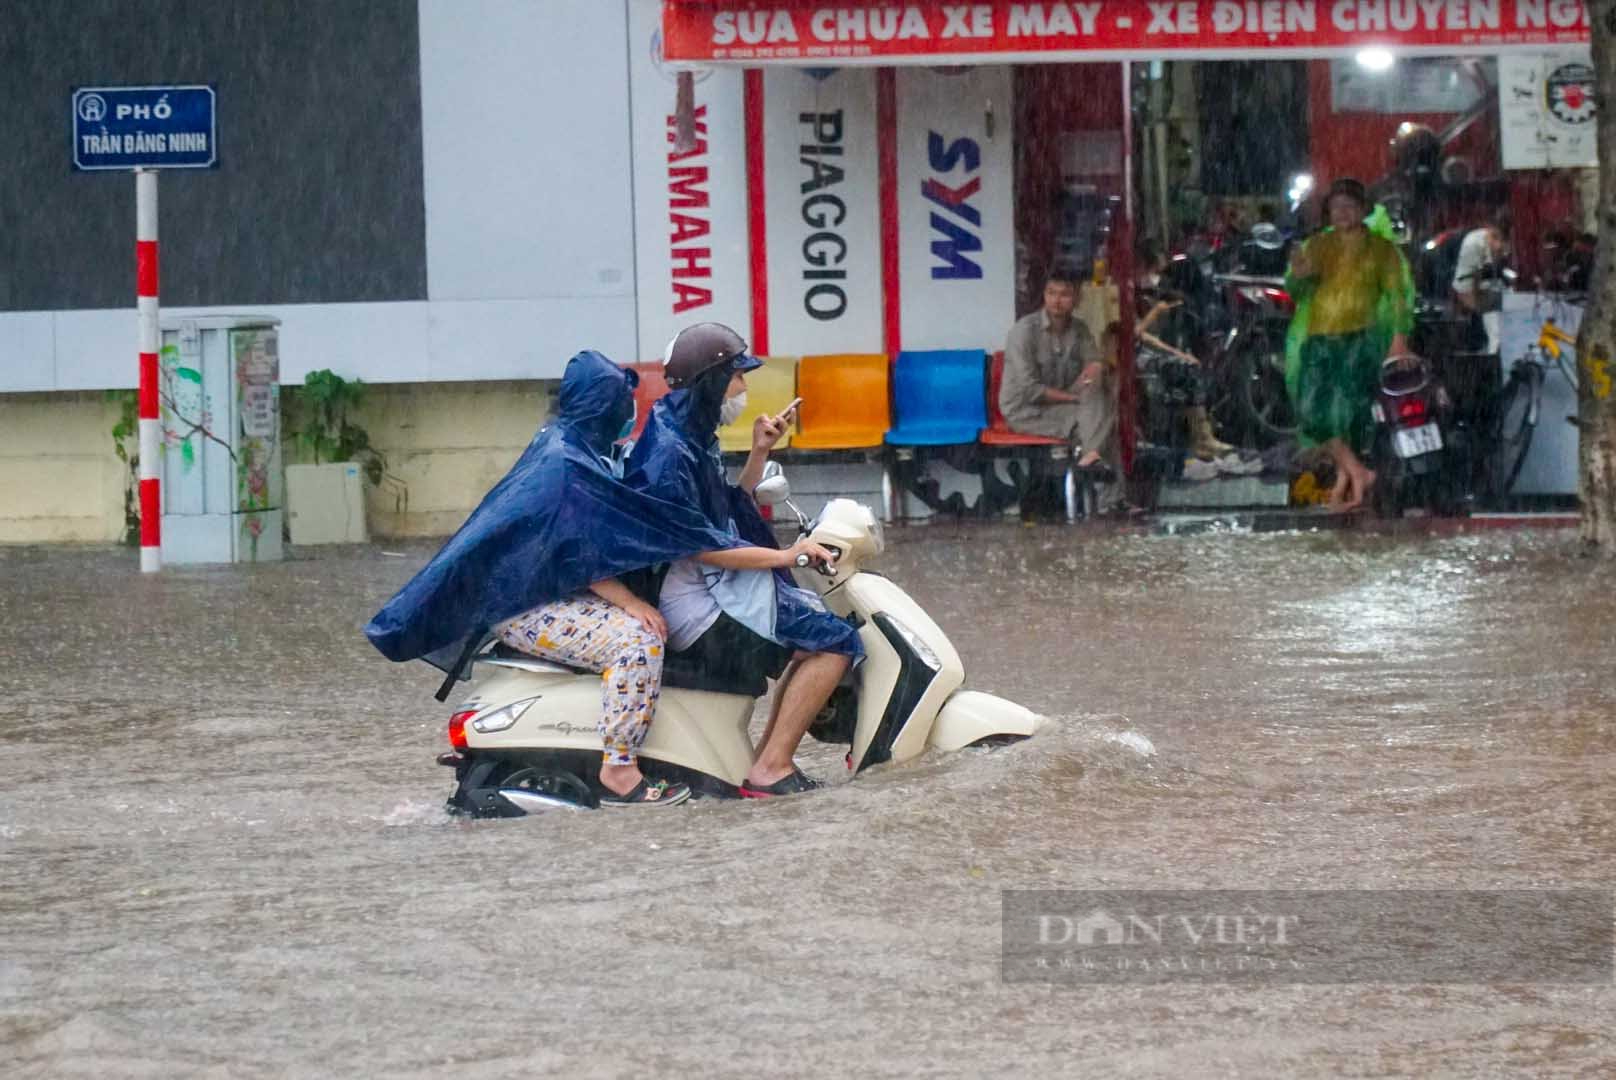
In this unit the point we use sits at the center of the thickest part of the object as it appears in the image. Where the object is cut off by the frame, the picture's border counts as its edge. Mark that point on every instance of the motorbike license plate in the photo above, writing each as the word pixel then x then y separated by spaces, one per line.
pixel 1412 442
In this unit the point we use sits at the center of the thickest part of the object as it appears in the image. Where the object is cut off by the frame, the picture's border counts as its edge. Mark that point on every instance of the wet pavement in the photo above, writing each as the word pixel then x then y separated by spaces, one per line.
pixel 224 851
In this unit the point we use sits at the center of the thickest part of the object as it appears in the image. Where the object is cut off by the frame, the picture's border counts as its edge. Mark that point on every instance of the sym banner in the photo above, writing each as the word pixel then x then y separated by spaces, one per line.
pixel 882 32
pixel 956 227
pixel 824 247
pixel 689 208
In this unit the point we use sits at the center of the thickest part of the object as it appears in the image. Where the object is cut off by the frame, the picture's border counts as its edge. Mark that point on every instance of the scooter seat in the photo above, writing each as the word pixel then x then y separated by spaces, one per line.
pixel 679 670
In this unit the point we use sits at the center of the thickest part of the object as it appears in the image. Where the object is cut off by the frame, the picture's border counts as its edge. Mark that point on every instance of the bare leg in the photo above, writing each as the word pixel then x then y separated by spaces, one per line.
pixel 780 685
pixel 1342 490
pixel 1097 433
pixel 621 778
pixel 811 685
pixel 1360 478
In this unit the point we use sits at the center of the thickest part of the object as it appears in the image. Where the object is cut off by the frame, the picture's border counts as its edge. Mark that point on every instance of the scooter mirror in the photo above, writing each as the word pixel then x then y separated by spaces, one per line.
pixel 772 490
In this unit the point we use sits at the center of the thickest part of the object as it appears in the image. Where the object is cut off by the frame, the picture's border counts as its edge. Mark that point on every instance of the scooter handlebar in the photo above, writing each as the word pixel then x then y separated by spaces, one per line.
pixel 825 568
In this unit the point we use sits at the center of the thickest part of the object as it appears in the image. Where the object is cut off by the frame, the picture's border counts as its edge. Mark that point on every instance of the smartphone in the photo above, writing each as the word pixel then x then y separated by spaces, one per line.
pixel 787 411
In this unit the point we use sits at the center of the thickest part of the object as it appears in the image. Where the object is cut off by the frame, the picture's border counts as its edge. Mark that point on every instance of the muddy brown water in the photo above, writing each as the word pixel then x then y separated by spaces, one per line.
pixel 224 852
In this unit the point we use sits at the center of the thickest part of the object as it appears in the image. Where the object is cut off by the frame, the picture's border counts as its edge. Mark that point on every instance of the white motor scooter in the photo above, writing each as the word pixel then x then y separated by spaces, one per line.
pixel 526 740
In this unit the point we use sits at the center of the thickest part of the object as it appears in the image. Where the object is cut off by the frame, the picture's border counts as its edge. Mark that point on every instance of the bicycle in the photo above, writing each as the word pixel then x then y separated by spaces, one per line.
pixel 1520 402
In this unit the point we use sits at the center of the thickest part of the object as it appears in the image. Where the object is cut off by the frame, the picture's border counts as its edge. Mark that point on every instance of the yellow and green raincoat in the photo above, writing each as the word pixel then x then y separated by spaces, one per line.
pixel 1347 313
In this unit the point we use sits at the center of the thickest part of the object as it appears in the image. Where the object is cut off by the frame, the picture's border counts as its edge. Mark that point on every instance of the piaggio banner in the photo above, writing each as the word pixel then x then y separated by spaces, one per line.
pixel 800 31
pixel 823 224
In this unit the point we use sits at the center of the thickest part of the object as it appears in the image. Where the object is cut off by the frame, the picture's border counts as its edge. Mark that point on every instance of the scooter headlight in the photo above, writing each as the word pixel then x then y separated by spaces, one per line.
pixel 914 641
pixel 501 718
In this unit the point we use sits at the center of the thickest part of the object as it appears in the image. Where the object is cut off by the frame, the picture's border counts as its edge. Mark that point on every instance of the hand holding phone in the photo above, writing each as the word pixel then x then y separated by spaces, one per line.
pixel 789 409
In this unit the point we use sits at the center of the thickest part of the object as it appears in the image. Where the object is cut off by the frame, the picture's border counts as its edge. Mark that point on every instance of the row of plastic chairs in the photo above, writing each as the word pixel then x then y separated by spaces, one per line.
pixel 861 401
pixel 864 402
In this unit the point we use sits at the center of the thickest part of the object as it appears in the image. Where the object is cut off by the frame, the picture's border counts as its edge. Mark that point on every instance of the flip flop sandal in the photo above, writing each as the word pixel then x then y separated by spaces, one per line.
pixel 806 779
pixel 793 783
pixel 648 793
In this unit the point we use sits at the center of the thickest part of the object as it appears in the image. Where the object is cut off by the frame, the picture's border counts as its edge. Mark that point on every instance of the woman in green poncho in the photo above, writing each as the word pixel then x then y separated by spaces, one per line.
pixel 1354 308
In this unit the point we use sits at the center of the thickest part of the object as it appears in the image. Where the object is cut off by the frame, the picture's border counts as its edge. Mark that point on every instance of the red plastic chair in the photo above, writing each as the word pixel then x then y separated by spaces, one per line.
pixel 653 387
pixel 998 432
pixel 1077 491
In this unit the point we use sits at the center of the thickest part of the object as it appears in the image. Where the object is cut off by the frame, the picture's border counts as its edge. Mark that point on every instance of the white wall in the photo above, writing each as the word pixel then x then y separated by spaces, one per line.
pixel 529 221
pixel 524 115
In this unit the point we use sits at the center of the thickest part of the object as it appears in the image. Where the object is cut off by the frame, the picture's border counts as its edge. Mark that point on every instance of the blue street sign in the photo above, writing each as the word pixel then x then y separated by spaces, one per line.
pixel 145 127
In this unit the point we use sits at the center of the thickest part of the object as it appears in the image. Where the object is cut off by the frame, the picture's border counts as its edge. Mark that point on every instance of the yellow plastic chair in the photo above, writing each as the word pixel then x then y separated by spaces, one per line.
pixel 845 402
pixel 769 389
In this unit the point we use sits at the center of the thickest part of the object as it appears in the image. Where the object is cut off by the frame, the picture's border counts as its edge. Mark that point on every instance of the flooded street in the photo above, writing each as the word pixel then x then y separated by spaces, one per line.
pixel 224 851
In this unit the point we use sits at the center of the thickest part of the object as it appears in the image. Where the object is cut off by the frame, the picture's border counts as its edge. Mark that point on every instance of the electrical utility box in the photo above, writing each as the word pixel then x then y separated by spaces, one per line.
pixel 219 385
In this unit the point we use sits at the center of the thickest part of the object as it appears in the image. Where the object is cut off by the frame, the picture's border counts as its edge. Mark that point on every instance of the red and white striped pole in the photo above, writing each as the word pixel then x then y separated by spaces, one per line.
pixel 151 433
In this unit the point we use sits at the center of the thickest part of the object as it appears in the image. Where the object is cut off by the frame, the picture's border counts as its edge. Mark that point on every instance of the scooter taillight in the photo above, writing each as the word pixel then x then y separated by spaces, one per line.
pixel 1278 297
pixel 457 728
pixel 1411 411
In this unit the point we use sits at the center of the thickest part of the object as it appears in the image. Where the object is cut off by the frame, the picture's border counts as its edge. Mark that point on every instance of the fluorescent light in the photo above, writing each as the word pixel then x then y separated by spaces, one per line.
pixel 1376 59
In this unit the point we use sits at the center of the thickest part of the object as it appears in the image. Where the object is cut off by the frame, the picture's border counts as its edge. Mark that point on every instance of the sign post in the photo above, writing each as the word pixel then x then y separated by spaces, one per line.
pixel 146 128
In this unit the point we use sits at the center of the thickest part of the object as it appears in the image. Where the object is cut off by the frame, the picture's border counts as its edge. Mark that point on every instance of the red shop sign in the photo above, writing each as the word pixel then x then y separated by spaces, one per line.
pixel 999 31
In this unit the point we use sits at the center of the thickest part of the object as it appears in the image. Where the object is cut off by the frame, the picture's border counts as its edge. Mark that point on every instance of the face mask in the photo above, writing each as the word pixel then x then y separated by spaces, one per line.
pixel 731 410
pixel 616 460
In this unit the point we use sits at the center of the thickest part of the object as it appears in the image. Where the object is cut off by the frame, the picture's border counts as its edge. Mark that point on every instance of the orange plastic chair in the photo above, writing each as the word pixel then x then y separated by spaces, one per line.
pixel 652 388
pixel 845 403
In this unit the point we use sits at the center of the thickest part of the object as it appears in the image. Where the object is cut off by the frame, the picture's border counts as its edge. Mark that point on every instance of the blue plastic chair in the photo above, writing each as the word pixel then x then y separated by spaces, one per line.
pixel 939 398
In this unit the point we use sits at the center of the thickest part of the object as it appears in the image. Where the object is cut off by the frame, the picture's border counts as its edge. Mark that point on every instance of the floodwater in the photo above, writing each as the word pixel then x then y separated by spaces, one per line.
pixel 224 853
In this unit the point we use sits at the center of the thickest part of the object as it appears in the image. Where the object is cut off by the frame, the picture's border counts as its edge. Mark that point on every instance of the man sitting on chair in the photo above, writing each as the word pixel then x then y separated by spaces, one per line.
pixel 1057 383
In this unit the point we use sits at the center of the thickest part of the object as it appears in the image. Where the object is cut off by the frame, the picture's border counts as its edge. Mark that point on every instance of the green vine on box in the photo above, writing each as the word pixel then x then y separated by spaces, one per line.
pixel 318 417
pixel 126 444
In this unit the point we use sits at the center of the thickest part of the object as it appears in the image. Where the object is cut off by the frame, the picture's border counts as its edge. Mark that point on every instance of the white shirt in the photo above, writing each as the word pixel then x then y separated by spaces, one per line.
pixel 1474 258
pixel 687 604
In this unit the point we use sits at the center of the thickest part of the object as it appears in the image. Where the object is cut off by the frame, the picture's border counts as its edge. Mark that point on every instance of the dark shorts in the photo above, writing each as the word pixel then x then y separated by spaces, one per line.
pixel 729 650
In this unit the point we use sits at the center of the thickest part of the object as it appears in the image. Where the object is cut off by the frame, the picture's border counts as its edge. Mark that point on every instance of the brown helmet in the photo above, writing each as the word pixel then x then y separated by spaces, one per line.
pixel 698 349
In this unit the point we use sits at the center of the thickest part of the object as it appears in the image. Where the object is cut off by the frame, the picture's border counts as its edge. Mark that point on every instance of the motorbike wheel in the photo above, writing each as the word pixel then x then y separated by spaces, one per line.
pixel 538 786
pixel 1264 402
pixel 1515 422
pixel 1386 500
pixel 1390 494
pixel 550 781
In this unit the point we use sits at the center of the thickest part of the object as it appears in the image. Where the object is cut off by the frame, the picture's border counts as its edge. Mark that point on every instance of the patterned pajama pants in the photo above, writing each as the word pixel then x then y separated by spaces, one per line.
pixel 586 631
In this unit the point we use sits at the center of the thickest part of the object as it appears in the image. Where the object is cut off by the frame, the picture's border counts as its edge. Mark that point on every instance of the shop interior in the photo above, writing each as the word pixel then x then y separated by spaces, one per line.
pixel 1225 161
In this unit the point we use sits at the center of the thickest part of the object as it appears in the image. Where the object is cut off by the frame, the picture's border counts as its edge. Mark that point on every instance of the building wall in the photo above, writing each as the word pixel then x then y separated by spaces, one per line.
pixel 59 478
pixel 446 444
pixel 421 190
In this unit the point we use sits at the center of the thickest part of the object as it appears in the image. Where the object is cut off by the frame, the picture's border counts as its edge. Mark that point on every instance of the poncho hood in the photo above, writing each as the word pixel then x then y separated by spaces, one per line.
pixel 555 524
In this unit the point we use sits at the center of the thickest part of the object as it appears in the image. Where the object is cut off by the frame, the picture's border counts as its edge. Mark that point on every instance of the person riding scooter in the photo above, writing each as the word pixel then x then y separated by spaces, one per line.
pixel 537 565
pixel 738 604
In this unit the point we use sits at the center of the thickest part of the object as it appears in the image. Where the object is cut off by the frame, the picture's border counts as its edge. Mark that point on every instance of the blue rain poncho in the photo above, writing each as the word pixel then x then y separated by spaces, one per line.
pixel 677 459
pixel 557 523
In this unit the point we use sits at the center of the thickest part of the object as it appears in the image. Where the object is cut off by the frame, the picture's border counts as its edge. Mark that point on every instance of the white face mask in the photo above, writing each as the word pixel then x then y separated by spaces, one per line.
pixel 731 410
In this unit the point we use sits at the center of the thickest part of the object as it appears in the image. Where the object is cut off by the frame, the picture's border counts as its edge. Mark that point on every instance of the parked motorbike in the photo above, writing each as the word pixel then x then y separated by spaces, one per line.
pixel 1252 354
pixel 1421 456
pixel 526 740
pixel 1239 297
